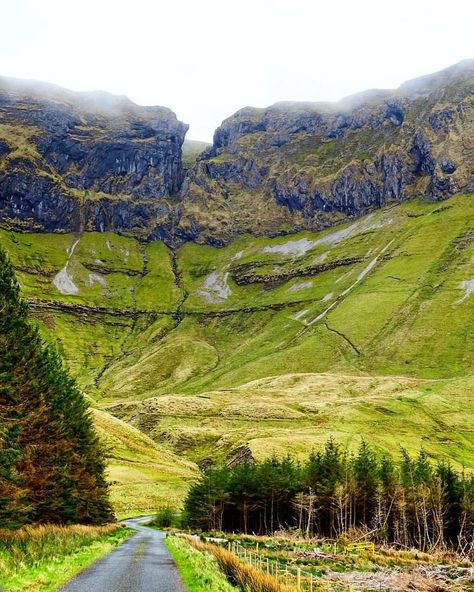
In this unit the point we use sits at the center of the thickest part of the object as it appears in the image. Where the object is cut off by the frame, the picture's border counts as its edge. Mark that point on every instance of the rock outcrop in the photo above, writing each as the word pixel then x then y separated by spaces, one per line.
pixel 70 161
pixel 94 161
pixel 309 165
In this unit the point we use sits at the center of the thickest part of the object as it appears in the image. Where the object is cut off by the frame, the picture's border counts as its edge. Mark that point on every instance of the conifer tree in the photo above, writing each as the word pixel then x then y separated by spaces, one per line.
pixel 51 463
pixel 411 503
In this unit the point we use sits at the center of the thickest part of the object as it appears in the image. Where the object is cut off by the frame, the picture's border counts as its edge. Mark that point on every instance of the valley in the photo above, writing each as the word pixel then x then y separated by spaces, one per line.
pixel 267 344
pixel 237 297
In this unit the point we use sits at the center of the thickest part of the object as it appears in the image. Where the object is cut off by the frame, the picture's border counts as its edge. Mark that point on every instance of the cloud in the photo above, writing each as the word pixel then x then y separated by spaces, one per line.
pixel 207 59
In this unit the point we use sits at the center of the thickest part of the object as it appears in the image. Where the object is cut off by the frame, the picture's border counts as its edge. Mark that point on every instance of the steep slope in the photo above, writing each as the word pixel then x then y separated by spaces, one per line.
pixel 310 165
pixel 74 161
pixel 143 475
pixel 388 294
pixel 170 340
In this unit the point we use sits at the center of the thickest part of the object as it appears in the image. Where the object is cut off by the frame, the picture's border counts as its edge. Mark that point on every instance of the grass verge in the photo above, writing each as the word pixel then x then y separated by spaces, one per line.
pixel 41 558
pixel 199 571
pixel 244 576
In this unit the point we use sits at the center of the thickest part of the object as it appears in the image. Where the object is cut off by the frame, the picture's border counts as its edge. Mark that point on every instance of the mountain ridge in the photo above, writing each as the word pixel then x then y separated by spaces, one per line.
pixel 314 165
pixel 94 161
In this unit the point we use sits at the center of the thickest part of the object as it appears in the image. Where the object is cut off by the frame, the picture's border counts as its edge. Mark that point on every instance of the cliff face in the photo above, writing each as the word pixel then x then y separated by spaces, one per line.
pixel 72 161
pixel 93 161
pixel 306 166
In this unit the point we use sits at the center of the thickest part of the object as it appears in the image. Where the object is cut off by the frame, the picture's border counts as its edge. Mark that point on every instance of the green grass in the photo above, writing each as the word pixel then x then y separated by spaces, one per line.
pixel 42 558
pixel 199 571
pixel 191 150
pixel 143 475
pixel 159 349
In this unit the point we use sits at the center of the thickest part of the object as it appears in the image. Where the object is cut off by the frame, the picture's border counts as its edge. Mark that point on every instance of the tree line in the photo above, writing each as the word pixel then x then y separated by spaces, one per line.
pixel 51 462
pixel 412 502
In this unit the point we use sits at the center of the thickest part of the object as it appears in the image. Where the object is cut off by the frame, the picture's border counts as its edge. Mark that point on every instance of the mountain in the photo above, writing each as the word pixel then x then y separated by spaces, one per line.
pixel 85 161
pixel 311 165
pixel 271 344
pixel 308 274
pixel 94 161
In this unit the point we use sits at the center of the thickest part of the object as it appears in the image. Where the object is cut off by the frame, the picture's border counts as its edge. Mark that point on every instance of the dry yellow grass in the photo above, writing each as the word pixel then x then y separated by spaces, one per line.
pixel 143 475
pixel 244 575
pixel 296 413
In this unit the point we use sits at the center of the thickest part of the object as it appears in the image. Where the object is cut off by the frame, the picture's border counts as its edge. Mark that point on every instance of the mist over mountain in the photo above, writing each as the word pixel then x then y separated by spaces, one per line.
pixel 94 161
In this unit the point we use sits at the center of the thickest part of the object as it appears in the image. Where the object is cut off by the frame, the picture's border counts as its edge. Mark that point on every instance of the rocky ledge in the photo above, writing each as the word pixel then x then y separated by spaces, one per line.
pixel 309 165
pixel 70 160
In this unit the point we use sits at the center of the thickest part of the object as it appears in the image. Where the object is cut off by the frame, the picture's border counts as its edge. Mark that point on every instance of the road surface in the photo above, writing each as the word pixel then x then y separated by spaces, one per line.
pixel 141 564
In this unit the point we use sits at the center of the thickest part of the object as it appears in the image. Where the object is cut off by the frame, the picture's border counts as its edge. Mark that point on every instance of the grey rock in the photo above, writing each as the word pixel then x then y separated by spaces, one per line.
pixel 4 148
pixel 441 120
pixel 102 160
pixel 420 151
pixel 395 111
pixel 447 166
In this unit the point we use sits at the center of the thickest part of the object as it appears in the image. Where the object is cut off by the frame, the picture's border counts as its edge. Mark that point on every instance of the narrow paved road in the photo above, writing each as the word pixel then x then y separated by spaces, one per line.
pixel 142 564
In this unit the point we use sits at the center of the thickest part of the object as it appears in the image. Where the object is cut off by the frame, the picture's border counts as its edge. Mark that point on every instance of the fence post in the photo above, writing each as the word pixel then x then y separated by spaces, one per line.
pixel 298 579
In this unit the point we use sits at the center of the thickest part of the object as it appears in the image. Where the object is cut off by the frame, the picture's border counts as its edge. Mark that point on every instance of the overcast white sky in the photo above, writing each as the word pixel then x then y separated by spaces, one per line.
pixel 207 58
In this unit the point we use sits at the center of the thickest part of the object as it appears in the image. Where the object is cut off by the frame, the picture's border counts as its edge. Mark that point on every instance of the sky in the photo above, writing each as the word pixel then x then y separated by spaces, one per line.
pixel 205 59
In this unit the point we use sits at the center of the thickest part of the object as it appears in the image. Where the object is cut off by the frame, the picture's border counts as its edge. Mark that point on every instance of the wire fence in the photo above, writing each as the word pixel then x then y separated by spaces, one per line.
pixel 287 574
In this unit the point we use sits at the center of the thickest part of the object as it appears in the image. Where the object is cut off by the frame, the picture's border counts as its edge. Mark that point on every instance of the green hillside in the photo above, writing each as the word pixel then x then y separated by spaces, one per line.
pixel 296 413
pixel 143 475
pixel 171 340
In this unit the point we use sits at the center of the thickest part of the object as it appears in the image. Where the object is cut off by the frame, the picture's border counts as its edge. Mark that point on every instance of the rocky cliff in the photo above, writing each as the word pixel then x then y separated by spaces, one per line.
pixel 72 161
pixel 94 161
pixel 309 165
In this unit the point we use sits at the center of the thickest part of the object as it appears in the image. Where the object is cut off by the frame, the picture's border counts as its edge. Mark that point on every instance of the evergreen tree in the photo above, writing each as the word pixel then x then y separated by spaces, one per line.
pixel 51 463
pixel 412 503
pixel 365 467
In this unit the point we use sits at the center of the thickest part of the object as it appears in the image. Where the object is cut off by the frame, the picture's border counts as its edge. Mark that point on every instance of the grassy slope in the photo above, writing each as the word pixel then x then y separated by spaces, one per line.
pixel 143 474
pixel 401 318
pixel 158 333
pixel 297 412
